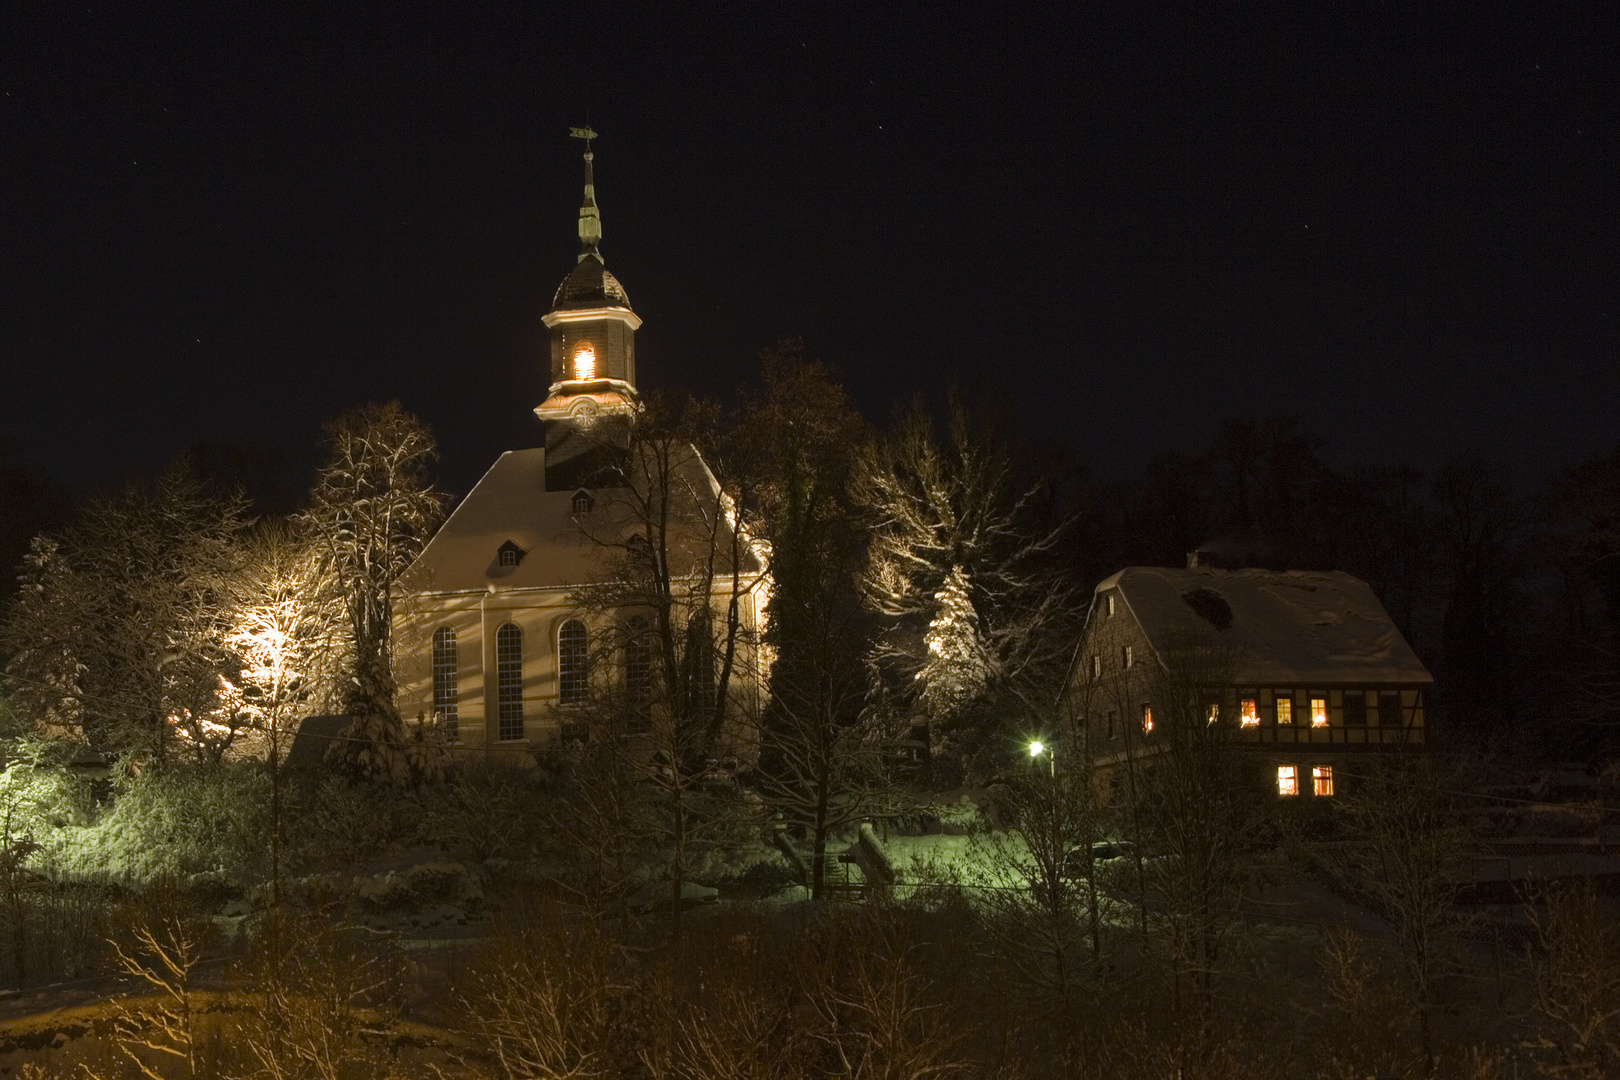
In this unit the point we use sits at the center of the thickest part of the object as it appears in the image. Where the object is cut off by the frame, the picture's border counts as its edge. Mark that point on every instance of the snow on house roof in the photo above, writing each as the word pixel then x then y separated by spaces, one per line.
pixel 1297 626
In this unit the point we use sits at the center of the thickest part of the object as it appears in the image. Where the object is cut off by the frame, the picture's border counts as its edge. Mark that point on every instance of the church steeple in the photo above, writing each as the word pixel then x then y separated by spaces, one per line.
pixel 590 217
pixel 593 359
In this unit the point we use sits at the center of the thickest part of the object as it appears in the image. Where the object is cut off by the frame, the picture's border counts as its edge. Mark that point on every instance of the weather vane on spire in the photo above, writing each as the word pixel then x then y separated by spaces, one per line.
pixel 590 218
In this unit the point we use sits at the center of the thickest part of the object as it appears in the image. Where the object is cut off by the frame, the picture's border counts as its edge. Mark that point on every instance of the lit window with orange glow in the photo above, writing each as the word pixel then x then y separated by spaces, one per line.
pixel 1287 780
pixel 584 362
pixel 1285 710
pixel 1249 712
pixel 1319 713
pixel 1212 713
pixel 1322 780
pixel 1147 718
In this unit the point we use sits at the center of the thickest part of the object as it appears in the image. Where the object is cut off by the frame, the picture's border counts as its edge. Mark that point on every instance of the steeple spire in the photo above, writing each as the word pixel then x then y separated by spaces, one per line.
pixel 590 218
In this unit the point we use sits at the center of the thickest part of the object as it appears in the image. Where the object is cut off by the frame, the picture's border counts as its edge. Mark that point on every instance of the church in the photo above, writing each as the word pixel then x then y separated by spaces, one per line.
pixel 595 568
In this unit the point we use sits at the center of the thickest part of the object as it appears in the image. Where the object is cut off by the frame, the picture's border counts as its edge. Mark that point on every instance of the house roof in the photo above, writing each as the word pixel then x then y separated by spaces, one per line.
pixel 1296 626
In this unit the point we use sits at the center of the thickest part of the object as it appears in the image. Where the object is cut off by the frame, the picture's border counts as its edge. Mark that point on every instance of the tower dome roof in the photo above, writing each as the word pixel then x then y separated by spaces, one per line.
pixel 589 285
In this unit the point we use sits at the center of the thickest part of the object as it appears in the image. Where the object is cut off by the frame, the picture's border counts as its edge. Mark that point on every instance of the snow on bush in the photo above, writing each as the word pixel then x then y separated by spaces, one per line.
pixel 37 793
pixel 189 824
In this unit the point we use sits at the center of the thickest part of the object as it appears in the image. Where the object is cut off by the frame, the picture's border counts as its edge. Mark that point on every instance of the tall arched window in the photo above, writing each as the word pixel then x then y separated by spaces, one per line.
pixel 571 660
pixel 444 682
pixel 638 671
pixel 700 661
pixel 509 681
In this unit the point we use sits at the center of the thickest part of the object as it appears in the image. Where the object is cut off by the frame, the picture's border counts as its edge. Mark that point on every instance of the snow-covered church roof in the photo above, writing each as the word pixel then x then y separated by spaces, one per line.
pixel 557 546
pixel 1283 628
pixel 509 504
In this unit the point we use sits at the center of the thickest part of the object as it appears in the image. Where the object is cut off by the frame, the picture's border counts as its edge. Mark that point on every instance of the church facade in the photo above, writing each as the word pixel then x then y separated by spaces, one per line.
pixel 528 608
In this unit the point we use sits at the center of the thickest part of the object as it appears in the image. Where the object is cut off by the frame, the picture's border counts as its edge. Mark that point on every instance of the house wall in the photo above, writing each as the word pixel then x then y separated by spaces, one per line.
pixel 1100 705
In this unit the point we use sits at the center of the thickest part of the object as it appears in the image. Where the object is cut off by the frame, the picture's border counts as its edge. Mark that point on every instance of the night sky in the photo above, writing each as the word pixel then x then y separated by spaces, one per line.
pixel 1398 225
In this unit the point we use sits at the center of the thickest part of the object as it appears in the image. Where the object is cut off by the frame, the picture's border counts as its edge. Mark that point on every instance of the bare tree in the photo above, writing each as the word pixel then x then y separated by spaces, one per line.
pixel 1408 861
pixel 1199 817
pixel 287 638
pixel 795 445
pixel 1575 979
pixel 166 953
pixel 1042 904
pixel 372 511
pixel 678 571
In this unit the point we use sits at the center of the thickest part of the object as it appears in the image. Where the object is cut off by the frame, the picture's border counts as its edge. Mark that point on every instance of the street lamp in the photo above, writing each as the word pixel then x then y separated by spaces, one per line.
pixel 1037 748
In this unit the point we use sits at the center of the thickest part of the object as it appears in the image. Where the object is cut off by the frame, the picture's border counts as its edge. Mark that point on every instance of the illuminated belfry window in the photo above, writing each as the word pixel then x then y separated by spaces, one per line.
pixel 1287 780
pixel 1319 712
pixel 1249 712
pixel 1285 710
pixel 1147 718
pixel 444 681
pixel 571 660
pixel 1322 780
pixel 509 682
pixel 584 361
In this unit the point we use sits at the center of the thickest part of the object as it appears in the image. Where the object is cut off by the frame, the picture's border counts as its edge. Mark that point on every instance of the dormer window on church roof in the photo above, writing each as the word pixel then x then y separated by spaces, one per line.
pixel 583 502
pixel 509 554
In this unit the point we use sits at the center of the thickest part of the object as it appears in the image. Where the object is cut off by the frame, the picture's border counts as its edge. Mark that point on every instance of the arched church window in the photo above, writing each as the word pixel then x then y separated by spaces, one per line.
pixel 444 682
pixel 571 662
pixel 638 672
pixel 509 681
pixel 700 662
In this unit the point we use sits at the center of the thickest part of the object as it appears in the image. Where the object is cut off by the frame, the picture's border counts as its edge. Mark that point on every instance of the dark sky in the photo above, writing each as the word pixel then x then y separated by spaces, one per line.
pixel 1396 222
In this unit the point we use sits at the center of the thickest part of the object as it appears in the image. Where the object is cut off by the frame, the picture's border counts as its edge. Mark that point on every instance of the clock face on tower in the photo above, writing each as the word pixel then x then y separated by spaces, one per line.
pixel 583 413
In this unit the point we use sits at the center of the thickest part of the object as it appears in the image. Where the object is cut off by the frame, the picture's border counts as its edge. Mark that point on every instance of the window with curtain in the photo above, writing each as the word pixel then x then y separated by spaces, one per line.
pixel 1287 780
pixel 1322 780
pixel 509 682
pixel 571 662
pixel 444 682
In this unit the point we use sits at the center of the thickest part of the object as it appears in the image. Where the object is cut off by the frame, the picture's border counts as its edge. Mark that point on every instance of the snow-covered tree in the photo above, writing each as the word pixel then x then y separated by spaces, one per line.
pixel 953 673
pixel 372 511
pixel 963 566
pixel 117 636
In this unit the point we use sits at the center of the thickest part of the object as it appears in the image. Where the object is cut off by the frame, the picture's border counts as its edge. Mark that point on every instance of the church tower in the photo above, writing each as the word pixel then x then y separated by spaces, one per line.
pixel 587 411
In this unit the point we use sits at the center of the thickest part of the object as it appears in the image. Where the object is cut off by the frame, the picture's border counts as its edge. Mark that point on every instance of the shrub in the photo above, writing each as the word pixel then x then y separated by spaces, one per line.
pixel 191 824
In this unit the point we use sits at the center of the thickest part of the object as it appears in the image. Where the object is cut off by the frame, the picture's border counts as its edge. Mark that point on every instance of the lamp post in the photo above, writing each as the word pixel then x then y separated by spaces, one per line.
pixel 1037 748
